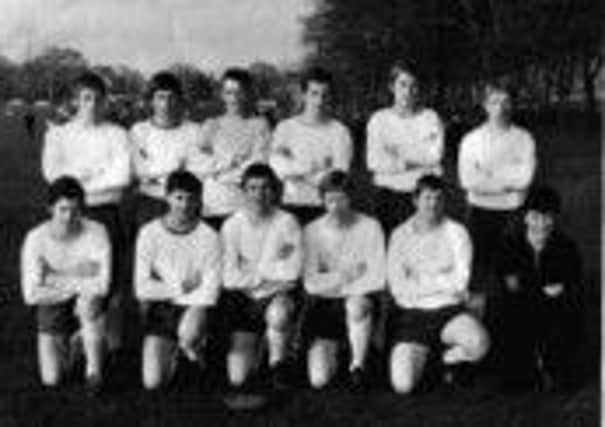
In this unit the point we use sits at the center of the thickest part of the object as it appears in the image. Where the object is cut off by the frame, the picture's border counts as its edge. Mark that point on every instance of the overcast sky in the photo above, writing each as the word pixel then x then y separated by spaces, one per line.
pixel 151 34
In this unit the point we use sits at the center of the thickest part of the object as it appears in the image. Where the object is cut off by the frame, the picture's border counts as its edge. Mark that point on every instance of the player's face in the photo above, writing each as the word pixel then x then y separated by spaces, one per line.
pixel 404 89
pixel 430 204
pixel 337 203
pixel 540 224
pixel 497 105
pixel 65 214
pixel 259 192
pixel 182 204
pixel 232 94
pixel 164 104
pixel 317 97
pixel 89 102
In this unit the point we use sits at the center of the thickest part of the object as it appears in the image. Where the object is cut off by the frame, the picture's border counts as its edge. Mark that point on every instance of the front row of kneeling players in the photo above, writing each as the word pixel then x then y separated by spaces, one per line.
pixel 183 266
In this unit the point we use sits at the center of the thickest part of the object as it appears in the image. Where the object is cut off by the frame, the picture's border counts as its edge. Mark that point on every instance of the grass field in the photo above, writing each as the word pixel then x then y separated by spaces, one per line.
pixel 570 158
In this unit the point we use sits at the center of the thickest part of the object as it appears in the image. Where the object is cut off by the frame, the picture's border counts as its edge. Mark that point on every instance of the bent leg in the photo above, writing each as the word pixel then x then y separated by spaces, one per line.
pixel 159 361
pixel 92 327
pixel 467 339
pixel 359 327
pixel 53 354
pixel 278 317
pixel 192 332
pixel 242 357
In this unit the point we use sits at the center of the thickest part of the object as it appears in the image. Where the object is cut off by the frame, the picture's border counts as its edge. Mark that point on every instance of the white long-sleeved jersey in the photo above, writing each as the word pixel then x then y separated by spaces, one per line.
pixel 157 152
pixel 226 148
pixel 496 168
pixel 165 259
pixel 261 258
pixel 332 253
pixel 45 262
pixel 402 149
pixel 98 156
pixel 429 269
pixel 302 154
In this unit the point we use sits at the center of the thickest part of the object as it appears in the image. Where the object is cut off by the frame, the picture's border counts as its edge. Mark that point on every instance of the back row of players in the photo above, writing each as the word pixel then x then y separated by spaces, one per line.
pixel 76 272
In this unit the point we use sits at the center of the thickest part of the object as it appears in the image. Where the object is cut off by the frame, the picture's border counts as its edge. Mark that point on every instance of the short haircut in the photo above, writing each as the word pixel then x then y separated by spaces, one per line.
pixel 65 187
pixel 90 80
pixel 261 170
pixel 164 80
pixel 336 181
pixel 429 182
pixel 240 75
pixel 407 66
pixel 543 199
pixel 495 85
pixel 184 181
pixel 316 74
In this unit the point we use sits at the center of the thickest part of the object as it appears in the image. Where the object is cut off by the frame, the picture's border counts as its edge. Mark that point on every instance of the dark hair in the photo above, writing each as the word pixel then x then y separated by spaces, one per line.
pixel 65 187
pixel 316 74
pixel 261 170
pixel 90 80
pixel 407 66
pixel 240 75
pixel 336 180
pixel 543 199
pixel 164 80
pixel 429 182
pixel 185 181
pixel 497 85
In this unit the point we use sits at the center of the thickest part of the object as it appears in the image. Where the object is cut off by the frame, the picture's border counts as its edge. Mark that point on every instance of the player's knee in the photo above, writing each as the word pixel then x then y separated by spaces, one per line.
pixel 277 315
pixel 237 367
pixel 152 378
pixel 89 309
pixel 402 383
pixel 358 308
pixel 51 377
pixel 319 377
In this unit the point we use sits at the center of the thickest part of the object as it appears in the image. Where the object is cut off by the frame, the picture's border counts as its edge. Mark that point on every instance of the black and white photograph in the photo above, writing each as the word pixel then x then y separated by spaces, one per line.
pixel 301 212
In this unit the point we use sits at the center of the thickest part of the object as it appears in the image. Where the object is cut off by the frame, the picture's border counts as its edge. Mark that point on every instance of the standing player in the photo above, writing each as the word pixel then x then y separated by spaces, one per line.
pixel 262 261
pixel 345 263
pixel 539 318
pixel 307 146
pixel 496 164
pixel 65 271
pixel 177 279
pixel 160 145
pixel 96 153
pixel 229 143
pixel 429 262
pixel 404 142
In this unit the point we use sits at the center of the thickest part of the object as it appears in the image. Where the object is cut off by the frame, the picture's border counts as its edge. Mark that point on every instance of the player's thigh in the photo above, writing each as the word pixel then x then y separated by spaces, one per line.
pixel 279 311
pixel 192 324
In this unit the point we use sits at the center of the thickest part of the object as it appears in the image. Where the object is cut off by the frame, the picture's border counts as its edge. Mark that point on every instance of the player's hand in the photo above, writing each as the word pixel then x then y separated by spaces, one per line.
pixel 190 283
pixel 391 150
pixel 284 151
pixel 285 251
pixel 553 290
pixel 476 304
pixel 512 283
pixel 84 269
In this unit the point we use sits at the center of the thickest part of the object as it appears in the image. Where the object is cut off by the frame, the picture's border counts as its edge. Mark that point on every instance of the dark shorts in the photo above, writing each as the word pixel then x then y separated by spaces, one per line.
pixel 162 319
pixel 325 319
pixel 420 326
pixel 57 319
pixel 241 313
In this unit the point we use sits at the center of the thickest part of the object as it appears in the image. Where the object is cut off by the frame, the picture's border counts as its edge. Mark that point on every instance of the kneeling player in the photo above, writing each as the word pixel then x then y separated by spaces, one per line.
pixel 429 259
pixel 262 261
pixel 177 278
pixel 345 262
pixel 65 274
